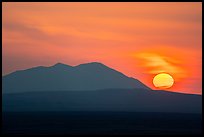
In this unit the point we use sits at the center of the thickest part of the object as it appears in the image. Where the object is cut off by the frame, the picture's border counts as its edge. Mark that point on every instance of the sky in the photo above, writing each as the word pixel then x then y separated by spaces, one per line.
pixel 138 39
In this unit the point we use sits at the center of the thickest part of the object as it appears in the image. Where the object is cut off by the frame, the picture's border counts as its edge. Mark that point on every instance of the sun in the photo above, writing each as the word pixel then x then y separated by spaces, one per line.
pixel 163 81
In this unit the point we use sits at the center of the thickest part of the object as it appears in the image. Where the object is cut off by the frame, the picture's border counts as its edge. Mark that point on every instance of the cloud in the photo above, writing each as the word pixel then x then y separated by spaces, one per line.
pixel 26 30
pixel 154 63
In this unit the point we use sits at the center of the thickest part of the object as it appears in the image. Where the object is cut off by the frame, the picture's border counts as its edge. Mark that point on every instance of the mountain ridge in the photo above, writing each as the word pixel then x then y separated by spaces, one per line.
pixel 135 100
pixel 87 76
pixel 88 87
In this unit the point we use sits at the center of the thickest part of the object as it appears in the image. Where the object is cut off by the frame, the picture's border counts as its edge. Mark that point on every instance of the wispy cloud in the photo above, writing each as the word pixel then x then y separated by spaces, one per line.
pixel 154 64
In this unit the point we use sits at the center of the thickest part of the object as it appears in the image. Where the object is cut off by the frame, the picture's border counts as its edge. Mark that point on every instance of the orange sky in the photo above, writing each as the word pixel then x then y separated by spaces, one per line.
pixel 137 39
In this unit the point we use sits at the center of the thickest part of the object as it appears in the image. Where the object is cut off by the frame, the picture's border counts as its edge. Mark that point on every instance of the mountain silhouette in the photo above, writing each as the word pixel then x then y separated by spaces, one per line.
pixel 88 87
pixel 119 100
pixel 62 77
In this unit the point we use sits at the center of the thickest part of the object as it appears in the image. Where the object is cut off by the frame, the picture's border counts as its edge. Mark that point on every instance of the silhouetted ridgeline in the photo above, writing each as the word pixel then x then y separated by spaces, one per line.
pixel 136 100
pixel 88 87
pixel 90 76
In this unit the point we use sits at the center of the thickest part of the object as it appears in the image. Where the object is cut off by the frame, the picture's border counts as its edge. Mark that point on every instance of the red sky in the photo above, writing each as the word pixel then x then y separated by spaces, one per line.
pixel 137 39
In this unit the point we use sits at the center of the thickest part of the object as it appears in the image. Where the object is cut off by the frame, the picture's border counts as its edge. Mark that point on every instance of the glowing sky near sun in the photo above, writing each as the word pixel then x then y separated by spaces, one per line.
pixel 137 39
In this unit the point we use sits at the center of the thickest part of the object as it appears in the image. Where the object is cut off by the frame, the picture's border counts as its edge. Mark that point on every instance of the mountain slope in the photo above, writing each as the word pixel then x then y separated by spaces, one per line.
pixel 136 100
pixel 90 76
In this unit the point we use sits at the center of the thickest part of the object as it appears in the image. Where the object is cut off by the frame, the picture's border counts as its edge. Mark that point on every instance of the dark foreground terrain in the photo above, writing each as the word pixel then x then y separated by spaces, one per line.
pixel 101 123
